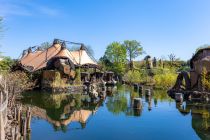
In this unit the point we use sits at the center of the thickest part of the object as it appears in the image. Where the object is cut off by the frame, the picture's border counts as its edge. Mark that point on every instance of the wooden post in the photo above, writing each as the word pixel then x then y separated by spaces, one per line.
pixel 148 92
pixel 15 113
pixel 23 126
pixel 135 87
pixel 2 133
pixel 140 89
pixel 1 98
pixel 137 104
pixel 150 104
pixel 28 117
pixel 17 133
pixel 13 133
pixel 19 115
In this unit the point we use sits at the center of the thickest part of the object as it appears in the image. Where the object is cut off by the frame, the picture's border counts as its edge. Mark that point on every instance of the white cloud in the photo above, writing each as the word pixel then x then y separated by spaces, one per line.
pixel 48 11
pixel 15 8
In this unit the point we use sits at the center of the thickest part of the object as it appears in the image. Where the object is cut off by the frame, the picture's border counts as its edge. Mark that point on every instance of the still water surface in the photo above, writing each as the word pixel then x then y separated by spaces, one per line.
pixel 76 117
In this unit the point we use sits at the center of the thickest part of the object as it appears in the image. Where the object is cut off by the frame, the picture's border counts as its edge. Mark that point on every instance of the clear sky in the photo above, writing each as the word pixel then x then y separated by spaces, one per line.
pixel 162 26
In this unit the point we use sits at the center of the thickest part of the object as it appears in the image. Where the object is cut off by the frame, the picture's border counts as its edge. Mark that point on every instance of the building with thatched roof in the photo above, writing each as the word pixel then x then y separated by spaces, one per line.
pixel 57 61
pixel 39 59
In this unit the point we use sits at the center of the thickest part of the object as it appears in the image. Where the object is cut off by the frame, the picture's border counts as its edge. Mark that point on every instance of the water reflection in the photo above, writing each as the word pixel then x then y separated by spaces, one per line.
pixel 122 100
pixel 200 113
pixel 62 109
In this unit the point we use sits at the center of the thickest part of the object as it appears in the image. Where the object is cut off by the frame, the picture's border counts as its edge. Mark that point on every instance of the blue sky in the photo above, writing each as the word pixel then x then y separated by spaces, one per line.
pixel 162 26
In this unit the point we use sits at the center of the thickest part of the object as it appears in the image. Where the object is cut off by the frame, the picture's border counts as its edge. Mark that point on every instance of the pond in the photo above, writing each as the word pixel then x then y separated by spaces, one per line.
pixel 77 117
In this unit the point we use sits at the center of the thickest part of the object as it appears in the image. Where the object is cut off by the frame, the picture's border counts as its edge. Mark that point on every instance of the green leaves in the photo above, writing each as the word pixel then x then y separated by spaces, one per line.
pixel 116 53
pixel 6 63
pixel 133 49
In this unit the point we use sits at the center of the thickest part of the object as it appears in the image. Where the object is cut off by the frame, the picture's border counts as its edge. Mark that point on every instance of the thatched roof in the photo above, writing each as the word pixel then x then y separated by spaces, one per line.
pixel 33 61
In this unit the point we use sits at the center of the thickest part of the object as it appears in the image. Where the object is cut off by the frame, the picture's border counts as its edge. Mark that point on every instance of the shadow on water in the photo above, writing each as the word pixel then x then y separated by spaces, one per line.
pixel 61 110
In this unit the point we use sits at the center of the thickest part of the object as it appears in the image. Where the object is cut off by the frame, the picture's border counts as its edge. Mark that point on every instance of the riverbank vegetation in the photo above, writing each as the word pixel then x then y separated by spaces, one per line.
pixel 161 73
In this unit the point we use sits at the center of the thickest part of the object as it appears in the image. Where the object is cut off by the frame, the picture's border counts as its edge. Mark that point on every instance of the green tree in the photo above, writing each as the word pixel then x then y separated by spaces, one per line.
pixel 116 54
pixel 6 63
pixel 133 49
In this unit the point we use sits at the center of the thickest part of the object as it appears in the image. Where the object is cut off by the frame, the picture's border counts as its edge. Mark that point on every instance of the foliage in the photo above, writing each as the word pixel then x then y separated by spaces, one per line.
pixel 117 104
pixel 133 76
pixel 133 49
pixel 165 79
pixel 6 63
pixel 105 64
pixel 77 80
pixel 116 54
pixel 205 79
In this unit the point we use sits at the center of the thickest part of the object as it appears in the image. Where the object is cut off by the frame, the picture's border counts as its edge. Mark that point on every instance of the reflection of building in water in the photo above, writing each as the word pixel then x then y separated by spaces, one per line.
pixel 200 117
pixel 61 110
pixel 80 116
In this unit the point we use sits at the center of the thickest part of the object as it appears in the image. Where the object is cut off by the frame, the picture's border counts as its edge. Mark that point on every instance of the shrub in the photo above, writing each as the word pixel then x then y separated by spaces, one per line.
pixel 205 79
pixel 6 63
pixel 165 79
pixel 132 77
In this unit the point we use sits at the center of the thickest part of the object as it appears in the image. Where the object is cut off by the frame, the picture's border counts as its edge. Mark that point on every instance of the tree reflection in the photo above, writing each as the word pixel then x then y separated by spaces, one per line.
pixel 117 104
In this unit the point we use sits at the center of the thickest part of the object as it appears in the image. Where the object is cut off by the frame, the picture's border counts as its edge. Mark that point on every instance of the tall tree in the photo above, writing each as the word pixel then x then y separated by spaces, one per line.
pixel 116 54
pixel 133 49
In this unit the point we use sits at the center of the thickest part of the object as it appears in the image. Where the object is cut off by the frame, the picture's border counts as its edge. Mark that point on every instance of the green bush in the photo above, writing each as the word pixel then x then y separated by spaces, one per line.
pixel 165 79
pixel 6 63
pixel 132 77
